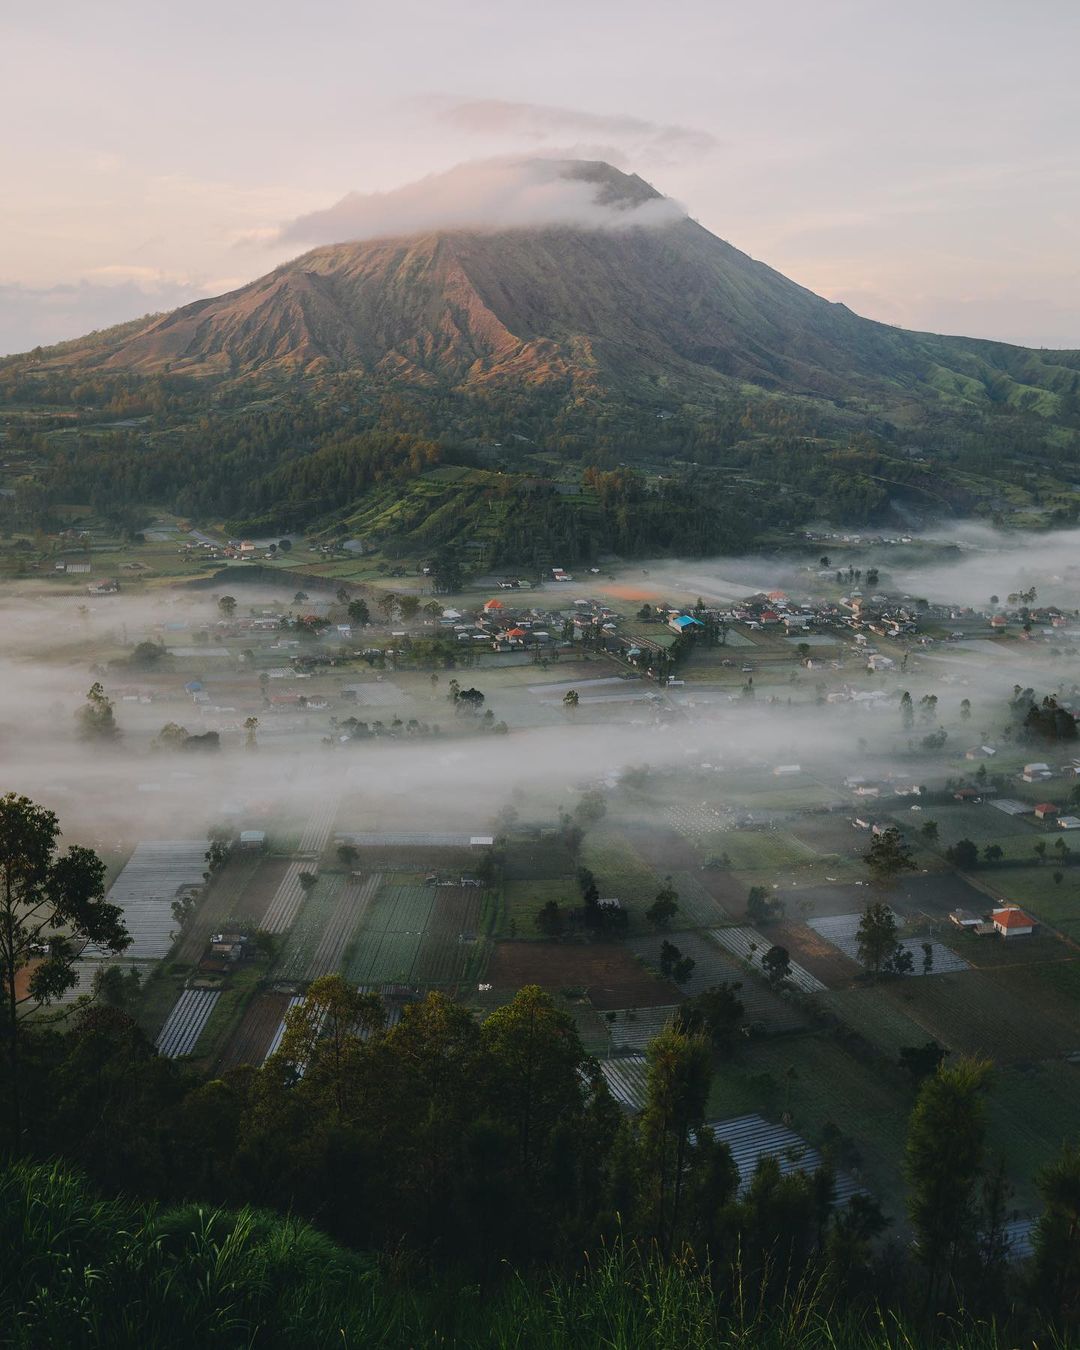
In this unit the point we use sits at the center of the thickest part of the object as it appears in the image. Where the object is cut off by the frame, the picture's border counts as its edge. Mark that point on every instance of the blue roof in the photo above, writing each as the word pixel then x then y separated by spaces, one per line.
pixel 685 621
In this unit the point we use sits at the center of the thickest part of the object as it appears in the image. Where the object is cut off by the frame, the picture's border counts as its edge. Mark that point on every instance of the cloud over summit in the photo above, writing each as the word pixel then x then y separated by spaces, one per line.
pixel 496 194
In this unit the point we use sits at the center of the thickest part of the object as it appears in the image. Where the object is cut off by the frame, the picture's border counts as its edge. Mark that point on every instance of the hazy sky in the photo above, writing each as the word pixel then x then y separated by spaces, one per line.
pixel 918 161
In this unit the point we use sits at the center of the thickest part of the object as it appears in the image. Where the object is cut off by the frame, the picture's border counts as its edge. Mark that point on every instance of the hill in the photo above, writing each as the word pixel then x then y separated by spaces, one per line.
pixel 649 345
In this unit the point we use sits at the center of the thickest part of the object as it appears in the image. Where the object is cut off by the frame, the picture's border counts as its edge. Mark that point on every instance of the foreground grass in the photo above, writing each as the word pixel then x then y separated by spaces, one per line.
pixel 76 1270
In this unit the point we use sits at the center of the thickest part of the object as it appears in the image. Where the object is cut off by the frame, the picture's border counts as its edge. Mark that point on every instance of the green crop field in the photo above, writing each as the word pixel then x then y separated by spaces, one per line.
pixel 523 900
pixel 316 914
pixel 1031 1111
pixel 388 942
pixel 820 1084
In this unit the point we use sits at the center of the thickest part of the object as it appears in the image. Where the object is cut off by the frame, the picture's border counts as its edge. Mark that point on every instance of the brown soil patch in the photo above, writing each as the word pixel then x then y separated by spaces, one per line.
pixel 251 1040
pixel 610 975
pixel 809 950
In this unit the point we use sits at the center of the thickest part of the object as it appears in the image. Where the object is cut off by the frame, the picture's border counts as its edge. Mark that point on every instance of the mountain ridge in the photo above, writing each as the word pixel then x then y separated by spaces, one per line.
pixel 632 309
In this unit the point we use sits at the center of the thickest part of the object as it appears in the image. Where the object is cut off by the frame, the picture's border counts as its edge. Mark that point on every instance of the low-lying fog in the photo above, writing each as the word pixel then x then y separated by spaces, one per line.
pixel 56 644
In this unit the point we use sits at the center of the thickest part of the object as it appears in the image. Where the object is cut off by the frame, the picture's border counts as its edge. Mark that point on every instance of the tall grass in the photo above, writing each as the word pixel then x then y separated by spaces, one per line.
pixel 76 1270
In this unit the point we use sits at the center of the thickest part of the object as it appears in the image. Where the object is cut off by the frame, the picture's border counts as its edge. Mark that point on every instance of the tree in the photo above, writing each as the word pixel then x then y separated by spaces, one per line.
pixel 876 938
pixel 285 545
pixel 964 854
pixel 570 700
pixel 227 605
pixel 322 1036
pixel 359 613
pixel 51 905
pixel 761 907
pixel 907 712
pixel 386 604
pixel 929 831
pixel 993 853
pixel 670 956
pixel 663 908
pixel 776 963
pixel 347 854
pixel 549 919
pixel 300 597
pixel 470 699
pixel 535 1058
pixel 679 1075
pixel 965 709
pixel 943 1162
pixel 308 881
pixel 251 727
pixel 1057 1236
pixel 888 856
pixel 408 607
pixel 921 1061
pixel 96 718
pixel 171 737
pixel 716 1011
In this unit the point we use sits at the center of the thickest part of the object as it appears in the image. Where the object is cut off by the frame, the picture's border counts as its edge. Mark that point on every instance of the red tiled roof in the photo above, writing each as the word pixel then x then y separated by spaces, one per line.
pixel 1012 918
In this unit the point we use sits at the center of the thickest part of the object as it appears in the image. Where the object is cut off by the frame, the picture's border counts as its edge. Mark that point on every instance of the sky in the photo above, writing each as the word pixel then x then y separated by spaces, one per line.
pixel 918 162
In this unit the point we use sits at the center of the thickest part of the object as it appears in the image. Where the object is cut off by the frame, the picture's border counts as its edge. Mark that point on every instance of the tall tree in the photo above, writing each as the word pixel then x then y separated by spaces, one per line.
pixel 888 856
pixel 679 1075
pixel 96 718
pixel 51 905
pixel 944 1162
pixel 1057 1237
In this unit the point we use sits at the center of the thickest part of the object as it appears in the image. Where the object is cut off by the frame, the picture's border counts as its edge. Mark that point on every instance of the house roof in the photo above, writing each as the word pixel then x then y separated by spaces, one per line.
pixel 1012 918
pixel 1045 807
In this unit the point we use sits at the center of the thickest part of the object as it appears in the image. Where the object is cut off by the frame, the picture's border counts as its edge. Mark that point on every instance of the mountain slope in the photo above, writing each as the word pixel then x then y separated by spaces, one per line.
pixel 630 310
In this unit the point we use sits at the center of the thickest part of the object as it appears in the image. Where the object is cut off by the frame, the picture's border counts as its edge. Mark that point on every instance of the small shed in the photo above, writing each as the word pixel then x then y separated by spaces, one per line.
pixel 253 841
pixel 1045 811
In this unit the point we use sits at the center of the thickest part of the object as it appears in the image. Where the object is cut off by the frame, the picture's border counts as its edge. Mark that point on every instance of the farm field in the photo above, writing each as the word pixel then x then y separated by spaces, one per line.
pixel 607 974
pixel 713 965
pixel 452 943
pixel 320 913
pixel 820 1084
pixel 812 952
pixel 1055 903
pixel 386 946
pixel 986 1013
pixel 523 900
pixel 222 902
pixel 251 1040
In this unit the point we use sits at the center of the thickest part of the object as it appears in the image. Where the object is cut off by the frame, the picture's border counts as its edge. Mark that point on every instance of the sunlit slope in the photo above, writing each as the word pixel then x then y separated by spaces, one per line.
pixel 634 311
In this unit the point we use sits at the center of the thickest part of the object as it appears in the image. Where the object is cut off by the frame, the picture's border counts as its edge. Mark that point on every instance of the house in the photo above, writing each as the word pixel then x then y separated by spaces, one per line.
pixel 1011 921
pixel 1069 822
pixel 999 621
pixel 967 794
pixel 252 841
pixel 963 918
pixel 685 623
pixel 493 607
pixel 1035 773
pixel 783 770
pixel 1045 810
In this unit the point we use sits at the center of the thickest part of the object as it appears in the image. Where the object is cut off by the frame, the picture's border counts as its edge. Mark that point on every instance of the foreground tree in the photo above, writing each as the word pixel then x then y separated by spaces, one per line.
pixel 944 1163
pixel 1057 1237
pixel 679 1075
pixel 51 905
